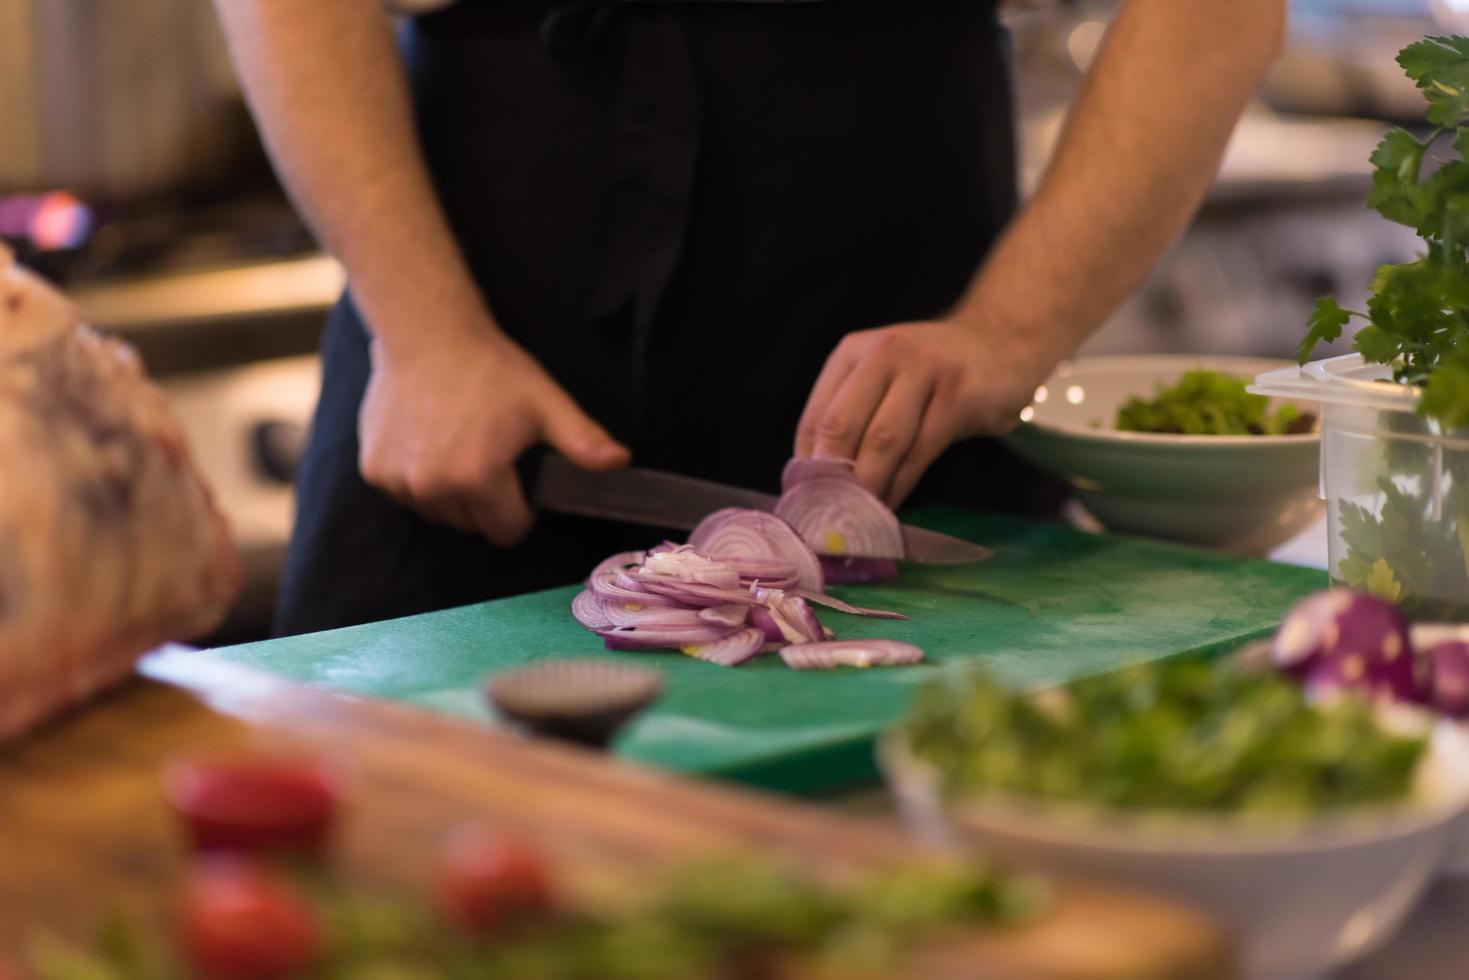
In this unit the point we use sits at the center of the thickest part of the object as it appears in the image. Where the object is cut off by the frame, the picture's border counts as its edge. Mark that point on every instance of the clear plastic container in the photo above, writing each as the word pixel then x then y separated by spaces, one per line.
pixel 1396 486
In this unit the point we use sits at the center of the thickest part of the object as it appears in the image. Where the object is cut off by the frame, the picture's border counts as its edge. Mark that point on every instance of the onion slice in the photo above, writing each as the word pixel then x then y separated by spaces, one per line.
pixel 736 533
pixel 840 517
pixel 793 619
pixel 760 567
pixel 694 593
pixel 731 651
pixel 615 587
pixel 675 638
pixel 587 610
pixel 832 602
pixel 799 469
pixel 690 566
pixel 621 614
pixel 619 561
pixel 730 616
pixel 850 653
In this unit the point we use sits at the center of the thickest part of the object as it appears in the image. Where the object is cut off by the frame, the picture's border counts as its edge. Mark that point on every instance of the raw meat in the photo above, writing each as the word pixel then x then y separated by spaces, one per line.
pixel 109 540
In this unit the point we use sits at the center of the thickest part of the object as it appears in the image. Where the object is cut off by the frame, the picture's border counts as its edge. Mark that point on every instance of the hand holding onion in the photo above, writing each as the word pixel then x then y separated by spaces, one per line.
pixel 442 424
pixel 896 397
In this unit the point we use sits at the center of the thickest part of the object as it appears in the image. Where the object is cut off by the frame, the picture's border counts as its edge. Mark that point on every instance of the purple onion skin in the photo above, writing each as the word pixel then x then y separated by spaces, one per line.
pixel 1449 669
pixel 799 612
pixel 857 571
pixel 761 619
pixel 1336 623
pixel 1343 639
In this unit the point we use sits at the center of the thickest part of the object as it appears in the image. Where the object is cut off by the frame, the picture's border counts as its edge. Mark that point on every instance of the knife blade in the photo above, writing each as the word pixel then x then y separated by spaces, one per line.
pixel 670 500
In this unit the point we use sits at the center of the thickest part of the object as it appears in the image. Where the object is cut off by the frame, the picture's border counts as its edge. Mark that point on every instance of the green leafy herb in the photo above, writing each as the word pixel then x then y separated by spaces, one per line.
pixel 1207 403
pixel 1184 734
pixel 1418 313
pixel 703 920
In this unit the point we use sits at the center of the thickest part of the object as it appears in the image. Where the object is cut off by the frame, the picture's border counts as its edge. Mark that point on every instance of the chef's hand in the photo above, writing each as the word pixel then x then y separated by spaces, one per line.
pixel 442 424
pixel 896 397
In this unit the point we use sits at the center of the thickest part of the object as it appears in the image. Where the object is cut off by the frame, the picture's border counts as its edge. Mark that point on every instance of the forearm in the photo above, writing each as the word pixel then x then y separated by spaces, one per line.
pixel 327 89
pixel 1140 147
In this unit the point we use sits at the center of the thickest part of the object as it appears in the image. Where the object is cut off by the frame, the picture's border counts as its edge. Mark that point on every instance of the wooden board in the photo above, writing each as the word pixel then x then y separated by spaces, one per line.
pixel 83 828
pixel 1053 605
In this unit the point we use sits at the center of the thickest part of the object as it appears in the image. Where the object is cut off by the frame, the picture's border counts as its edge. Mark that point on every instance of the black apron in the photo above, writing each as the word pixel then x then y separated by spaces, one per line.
pixel 679 209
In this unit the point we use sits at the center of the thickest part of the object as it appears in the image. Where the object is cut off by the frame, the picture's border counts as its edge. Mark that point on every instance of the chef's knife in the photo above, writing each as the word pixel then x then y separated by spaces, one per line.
pixel 669 500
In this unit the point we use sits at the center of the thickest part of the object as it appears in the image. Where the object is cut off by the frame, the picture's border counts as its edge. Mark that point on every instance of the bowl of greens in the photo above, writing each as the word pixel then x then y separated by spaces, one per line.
pixel 1175 447
pixel 1312 829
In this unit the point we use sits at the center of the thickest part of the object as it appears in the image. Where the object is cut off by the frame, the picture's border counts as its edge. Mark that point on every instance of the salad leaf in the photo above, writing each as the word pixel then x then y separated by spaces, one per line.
pixel 1206 403
pixel 1180 735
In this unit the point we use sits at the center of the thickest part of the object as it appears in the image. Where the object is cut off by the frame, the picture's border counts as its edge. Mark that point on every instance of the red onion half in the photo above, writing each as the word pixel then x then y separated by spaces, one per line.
pixel 799 469
pixel 850 653
pixel 840 517
pixel 735 533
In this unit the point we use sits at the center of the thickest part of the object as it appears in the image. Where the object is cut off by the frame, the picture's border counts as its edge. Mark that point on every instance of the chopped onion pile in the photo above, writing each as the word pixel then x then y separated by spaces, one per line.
pixel 1341 640
pixel 746 581
pixel 684 600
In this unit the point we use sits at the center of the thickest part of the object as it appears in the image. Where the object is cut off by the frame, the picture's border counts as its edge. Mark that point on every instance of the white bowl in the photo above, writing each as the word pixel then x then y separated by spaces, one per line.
pixel 1425 635
pixel 1301 900
pixel 1244 494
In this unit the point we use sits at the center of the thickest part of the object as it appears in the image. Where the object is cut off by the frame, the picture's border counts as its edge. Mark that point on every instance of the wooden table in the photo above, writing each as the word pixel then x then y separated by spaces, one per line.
pixel 83 827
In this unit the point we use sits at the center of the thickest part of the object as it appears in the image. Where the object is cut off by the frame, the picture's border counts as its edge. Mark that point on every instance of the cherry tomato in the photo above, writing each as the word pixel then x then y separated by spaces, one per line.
pixel 241 921
pixel 265 803
pixel 491 883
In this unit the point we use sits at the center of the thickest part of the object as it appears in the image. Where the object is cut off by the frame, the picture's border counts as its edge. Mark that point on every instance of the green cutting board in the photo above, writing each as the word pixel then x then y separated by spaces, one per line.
pixel 1052 605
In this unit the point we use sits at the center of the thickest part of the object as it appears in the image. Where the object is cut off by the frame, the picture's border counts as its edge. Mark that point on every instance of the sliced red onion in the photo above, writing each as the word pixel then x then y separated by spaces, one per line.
pixel 850 653
pixel 668 546
pixel 841 517
pixel 731 651
pixel 832 602
pixel 799 620
pixel 621 560
pixel 614 587
pixel 1449 663
pixel 647 638
pixel 784 584
pixel 587 609
pixel 857 571
pixel 689 566
pixel 745 534
pixel 622 614
pixel 694 593
pixel 761 619
pixel 763 568
pixel 799 469
pixel 791 616
pixel 730 616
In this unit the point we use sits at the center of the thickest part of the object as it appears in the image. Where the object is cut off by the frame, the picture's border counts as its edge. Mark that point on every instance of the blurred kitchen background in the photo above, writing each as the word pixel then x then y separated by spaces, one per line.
pixel 130 174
